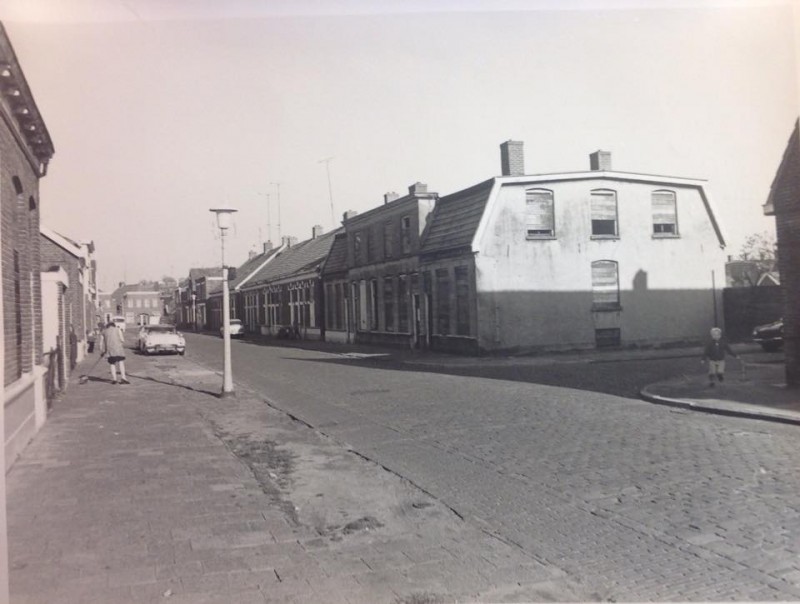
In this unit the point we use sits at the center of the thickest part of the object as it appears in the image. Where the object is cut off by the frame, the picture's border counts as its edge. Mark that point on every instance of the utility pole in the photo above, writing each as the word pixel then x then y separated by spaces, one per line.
pixel 278 186
pixel 327 162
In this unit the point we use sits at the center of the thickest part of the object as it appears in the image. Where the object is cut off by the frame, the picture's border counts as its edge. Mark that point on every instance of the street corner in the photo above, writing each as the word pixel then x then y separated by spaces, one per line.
pixel 756 391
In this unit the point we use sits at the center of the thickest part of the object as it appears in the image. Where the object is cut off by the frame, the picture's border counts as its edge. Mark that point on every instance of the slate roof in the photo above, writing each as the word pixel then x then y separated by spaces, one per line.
pixel 337 257
pixel 251 265
pixel 304 256
pixel 456 218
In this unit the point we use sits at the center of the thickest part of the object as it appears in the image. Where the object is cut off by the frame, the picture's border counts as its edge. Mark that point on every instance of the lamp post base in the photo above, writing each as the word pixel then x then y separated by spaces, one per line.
pixel 231 394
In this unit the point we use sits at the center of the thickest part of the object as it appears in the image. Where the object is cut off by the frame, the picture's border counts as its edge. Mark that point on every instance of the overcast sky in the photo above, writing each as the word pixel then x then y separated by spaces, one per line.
pixel 160 110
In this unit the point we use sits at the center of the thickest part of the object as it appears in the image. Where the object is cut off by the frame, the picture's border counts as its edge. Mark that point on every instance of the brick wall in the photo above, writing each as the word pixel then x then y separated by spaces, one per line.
pixel 54 255
pixel 19 220
pixel 785 197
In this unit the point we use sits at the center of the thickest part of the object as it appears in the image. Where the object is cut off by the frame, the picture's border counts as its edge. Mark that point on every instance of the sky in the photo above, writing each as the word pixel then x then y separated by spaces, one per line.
pixel 162 109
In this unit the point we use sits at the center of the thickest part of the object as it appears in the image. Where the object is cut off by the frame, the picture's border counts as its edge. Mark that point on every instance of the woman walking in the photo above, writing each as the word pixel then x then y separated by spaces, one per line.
pixel 112 346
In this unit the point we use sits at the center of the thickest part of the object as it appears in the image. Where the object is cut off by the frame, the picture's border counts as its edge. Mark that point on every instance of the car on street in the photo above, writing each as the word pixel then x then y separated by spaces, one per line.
pixel 769 335
pixel 160 338
pixel 237 329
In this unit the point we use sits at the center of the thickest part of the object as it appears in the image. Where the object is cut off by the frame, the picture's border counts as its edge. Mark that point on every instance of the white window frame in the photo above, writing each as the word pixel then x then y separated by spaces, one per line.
pixel 536 227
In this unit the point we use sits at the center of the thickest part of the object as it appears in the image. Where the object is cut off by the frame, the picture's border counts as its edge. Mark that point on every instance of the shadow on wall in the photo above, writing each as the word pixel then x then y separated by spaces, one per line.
pixel 518 321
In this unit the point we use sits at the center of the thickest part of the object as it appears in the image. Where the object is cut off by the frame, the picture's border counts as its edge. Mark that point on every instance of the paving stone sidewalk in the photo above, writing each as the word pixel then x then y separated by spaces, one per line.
pixel 146 493
pixel 752 390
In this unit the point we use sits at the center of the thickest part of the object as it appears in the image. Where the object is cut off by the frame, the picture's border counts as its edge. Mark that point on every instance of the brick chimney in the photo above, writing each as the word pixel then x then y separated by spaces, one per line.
pixel 267 246
pixel 600 160
pixel 390 197
pixel 512 158
pixel 349 214
pixel 288 241
pixel 417 188
pixel 252 254
pixel 316 231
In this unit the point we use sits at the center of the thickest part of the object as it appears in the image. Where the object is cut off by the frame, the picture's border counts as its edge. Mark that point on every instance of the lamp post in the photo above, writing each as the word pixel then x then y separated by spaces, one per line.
pixel 224 219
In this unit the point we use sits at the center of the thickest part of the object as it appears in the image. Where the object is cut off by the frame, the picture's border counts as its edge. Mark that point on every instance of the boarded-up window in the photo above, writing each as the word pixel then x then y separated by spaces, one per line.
pixel 373 304
pixel 604 213
pixel 402 303
pixel 442 301
pixel 605 285
pixel 462 300
pixel 539 218
pixel 609 337
pixel 665 213
pixel 360 296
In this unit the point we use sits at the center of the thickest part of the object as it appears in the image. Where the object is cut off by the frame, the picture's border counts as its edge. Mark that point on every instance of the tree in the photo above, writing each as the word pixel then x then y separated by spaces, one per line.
pixel 762 250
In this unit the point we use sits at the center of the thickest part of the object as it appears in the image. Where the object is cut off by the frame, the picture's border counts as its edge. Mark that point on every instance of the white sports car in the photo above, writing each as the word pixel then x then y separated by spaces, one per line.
pixel 160 338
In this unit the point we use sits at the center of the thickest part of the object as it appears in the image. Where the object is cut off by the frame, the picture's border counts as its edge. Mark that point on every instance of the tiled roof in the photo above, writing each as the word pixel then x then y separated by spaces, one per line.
pixel 251 265
pixel 213 287
pixel 301 257
pixel 456 218
pixel 337 258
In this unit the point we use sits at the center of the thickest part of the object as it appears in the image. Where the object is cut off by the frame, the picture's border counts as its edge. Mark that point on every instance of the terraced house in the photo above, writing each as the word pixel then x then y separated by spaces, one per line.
pixel 571 260
pixel 285 296
pixel 26 150
pixel 374 293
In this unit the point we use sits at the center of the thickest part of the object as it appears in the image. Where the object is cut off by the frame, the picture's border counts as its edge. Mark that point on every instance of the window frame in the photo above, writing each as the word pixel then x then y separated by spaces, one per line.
pixel 664 234
pixel 604 305
pixel 594 195
pixel 528 202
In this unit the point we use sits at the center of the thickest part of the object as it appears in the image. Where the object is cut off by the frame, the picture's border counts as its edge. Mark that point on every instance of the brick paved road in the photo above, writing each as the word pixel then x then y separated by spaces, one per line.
pixel 636 501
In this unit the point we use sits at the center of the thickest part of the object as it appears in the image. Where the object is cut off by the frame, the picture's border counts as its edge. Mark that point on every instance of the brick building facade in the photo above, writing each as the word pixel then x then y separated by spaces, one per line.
pixel 784 203
pixel 26 149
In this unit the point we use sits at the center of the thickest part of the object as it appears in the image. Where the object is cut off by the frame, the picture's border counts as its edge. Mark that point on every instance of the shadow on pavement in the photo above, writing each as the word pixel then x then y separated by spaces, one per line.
pixel 175 384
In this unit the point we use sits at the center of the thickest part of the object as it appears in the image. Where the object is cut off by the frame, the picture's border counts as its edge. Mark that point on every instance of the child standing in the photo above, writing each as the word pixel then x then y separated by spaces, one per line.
pixel 715 355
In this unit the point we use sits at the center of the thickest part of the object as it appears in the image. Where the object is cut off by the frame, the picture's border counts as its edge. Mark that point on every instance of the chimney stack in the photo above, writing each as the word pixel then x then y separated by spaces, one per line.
pixel 417 188
pixel 267 246
pixel 316 231
pixel 512 158
pixel 252 254
pixel 289 241
pixel 390 197
pixel 348 215
pixel 600 160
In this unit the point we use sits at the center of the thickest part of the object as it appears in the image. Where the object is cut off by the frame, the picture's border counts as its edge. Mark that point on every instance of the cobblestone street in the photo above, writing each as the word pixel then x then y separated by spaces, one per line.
pixel 635 500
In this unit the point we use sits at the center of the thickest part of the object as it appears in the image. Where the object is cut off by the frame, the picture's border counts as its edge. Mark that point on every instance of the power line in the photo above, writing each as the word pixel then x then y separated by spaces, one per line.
pixel 278 185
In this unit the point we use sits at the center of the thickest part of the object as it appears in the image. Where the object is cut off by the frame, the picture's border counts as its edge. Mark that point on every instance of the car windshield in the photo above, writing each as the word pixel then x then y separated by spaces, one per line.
pixel 160 328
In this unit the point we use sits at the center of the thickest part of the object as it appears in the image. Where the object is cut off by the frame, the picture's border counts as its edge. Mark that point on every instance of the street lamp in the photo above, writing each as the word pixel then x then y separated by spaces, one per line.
pixel 224 221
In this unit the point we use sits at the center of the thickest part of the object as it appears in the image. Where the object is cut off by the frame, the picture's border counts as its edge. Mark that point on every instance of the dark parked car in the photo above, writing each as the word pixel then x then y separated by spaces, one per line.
pixel 770 336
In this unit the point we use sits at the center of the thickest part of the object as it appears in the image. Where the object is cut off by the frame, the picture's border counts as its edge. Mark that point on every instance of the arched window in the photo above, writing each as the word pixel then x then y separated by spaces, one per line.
pixel 605 285
pixel 604 213
pixel 539 214
pixel 665 214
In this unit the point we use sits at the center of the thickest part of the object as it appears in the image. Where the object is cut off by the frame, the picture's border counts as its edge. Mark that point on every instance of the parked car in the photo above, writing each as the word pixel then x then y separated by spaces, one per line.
pixel 770 336
pixel 119 322
pixel 237 329
pixel 160 338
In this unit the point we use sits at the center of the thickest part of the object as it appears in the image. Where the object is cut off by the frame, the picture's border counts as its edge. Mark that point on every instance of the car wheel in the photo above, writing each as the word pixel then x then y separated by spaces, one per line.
pixel 182 352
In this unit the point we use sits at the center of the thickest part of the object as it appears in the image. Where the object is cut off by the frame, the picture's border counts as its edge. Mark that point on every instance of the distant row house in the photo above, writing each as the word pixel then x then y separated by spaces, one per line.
pixel 594 258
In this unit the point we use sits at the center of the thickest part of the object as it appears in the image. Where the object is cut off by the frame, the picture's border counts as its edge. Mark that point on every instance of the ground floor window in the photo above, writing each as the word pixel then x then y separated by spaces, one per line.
pixel 340 303
pixel 273 308
pixel 402 303
pixel 373 304
pixel 442 301
pixel 388 303
pixel 605 338
pixel 462 300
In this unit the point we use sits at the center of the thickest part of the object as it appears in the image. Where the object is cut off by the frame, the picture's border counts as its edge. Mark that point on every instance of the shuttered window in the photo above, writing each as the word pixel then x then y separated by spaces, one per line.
pixel 462 300
pixel 605 285
pixel 665 213
pixel 388 303
pixel 402 303
pixel 539 218
pixel 604 213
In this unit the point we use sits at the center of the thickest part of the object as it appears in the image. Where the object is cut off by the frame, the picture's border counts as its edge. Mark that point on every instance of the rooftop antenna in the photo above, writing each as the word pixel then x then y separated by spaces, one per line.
pixel 327 162
pixel 269 220
pixel 278 185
